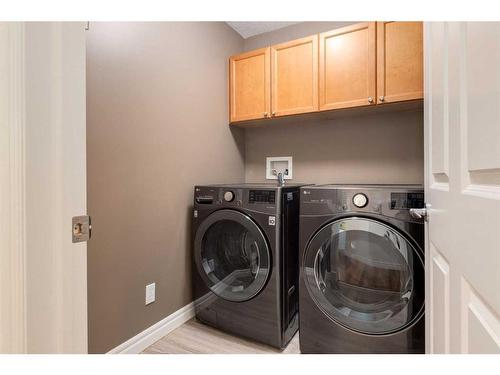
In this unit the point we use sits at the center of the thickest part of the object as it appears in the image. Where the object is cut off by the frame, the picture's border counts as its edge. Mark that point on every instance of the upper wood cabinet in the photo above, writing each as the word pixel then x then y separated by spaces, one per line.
pixel 347 67
pixel 249 85
pixel 399 61
pixel 365 64
pixel 294 77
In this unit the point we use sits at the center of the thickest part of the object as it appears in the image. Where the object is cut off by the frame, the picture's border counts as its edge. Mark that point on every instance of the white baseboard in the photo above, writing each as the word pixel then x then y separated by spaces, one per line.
pixel 150 335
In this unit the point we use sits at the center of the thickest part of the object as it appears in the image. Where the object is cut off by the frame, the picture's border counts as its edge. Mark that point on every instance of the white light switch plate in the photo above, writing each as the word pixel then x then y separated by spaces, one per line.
pixel 150 293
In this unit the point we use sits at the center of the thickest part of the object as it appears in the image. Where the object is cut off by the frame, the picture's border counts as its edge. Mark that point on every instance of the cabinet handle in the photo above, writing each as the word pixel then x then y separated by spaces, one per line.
pixel 266 114
pixel 370 100
pixel 381 98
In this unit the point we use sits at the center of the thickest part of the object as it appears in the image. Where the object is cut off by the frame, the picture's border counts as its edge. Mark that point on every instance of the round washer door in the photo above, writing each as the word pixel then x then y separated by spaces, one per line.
pixel 365 275
pixel 232 255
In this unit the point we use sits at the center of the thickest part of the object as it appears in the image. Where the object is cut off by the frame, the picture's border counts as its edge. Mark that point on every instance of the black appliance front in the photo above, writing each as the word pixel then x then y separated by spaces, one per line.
pixel 240 273
pixel 289 255
pixel 361 273
pixel 232 255
pixel 362 285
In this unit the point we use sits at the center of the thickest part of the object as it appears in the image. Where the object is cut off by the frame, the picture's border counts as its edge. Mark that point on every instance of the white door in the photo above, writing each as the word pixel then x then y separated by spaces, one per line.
pixel 43 286
pixel 462 127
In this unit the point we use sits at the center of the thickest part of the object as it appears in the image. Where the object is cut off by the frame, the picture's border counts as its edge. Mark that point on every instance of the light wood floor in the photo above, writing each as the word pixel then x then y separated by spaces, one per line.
pixel 194 337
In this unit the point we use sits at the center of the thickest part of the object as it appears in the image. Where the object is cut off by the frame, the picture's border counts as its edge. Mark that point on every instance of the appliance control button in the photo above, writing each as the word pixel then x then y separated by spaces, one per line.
pixel 228 196
pixel 360 200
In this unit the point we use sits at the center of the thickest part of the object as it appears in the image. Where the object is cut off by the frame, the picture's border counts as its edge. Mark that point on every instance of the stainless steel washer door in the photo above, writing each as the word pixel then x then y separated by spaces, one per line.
pixel 232 255
pixel 365 275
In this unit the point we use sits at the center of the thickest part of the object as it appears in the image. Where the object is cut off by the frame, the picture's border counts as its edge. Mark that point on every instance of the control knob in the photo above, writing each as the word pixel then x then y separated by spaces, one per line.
pixel 228 196
pixel 360 200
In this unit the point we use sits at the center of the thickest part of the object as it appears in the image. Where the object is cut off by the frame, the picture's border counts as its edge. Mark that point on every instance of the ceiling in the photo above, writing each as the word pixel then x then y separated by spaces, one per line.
pixel 249 28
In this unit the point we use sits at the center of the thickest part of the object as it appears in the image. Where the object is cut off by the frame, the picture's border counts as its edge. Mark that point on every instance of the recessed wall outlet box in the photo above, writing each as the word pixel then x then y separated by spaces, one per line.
pixel 150 293
pixel 277 164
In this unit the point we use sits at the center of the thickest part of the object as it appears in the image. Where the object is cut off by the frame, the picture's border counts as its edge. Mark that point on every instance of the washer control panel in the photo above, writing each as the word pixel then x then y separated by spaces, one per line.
pixel 262 196
pixel 262 200
pixel 360 200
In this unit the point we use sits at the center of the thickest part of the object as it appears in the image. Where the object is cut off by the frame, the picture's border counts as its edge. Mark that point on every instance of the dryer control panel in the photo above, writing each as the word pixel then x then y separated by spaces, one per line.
pixel 390 201
pixel 405 201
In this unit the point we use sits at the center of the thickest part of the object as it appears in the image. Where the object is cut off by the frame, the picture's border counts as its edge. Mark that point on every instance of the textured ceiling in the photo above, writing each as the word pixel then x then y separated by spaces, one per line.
pixel 247 29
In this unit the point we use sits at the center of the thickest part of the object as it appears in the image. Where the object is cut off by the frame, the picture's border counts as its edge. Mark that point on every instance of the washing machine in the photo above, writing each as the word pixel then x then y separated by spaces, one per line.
pixel 362 272
pixel 245 272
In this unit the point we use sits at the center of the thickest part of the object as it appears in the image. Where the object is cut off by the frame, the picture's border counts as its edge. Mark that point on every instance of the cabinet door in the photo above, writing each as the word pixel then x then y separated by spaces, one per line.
pixel 249 85
pixel 294 77
pixel 347 67
pixel 399 61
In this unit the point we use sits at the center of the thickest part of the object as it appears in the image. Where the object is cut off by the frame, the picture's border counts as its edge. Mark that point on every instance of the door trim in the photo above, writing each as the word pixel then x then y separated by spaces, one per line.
pixel 13 196
pixel 427 99
pixel 43 301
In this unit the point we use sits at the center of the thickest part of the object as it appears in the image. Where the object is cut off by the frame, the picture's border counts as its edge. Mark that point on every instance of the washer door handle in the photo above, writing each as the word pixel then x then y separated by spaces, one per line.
pixel 420 213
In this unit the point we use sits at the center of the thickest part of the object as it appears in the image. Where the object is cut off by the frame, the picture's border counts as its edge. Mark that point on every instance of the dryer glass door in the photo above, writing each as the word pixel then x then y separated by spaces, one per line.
pixel 232 255
pixel 365 275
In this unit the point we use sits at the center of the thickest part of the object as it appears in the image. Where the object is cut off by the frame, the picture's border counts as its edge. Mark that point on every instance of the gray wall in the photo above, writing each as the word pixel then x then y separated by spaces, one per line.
pixel 292 32
pixel 352 148
pixel 156 126
pixel 381 148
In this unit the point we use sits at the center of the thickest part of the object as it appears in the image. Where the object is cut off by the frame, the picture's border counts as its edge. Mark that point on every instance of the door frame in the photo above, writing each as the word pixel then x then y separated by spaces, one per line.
pixel 12 191
pixel 43 301
pixel 428 290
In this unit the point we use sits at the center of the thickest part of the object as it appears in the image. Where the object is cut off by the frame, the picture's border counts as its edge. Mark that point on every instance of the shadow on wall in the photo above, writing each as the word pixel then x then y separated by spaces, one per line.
pixel 238 135
pixel 189 240
pixel 157 124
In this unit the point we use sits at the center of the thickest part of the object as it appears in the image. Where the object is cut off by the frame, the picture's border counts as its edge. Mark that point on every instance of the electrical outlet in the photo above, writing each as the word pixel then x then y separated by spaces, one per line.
pixel 150 293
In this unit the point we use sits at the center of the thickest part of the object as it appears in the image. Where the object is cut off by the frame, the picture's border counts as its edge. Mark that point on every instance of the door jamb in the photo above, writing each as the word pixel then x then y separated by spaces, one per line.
pixel 13 316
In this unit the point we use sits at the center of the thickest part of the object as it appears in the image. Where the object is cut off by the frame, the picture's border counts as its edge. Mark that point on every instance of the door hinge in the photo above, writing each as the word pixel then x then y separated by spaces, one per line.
pixel 81 228
pixel 87 25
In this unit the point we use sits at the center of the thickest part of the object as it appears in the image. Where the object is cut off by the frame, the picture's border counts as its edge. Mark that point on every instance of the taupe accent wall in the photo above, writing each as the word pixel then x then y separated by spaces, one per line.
pixel 351 148
pixel 383 148
pixel 296 31
pixel 156 126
